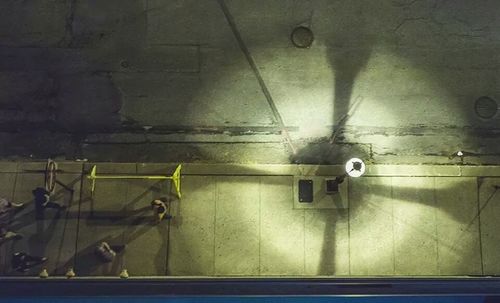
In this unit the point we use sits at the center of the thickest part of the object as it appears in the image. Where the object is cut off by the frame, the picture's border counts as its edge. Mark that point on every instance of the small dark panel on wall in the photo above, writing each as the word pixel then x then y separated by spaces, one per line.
pixel 305 191
pixel 332 186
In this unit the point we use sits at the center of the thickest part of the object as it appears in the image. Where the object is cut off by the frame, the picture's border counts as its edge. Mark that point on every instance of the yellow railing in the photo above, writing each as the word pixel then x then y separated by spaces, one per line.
pixel 175 177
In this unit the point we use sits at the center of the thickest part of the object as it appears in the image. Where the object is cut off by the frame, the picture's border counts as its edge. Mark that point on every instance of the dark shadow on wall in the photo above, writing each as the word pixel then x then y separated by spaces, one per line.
pixel 101 37
pixel 128 229
pixel 422 37
pixel 94 106
pixel 77 102
pixel 71 91
pixel 347 61
pixel 349 48
pixel 333 220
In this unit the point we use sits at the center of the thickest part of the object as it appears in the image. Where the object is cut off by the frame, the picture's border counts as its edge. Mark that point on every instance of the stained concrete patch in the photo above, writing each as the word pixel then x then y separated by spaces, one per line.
pixel 275 20
pixel 41 23
pixel 146 241
pixel 489 202
pixel 414 215
pixel 112 25
pixel 95 103
pixel 282 238
pixel 371 227
pixel 63 167
pixel 8 167
pixel 246 153
pixel 32 167
pixel 69 167
pixel 412 170
pixel 479 171
pixel 458 232
pixel 202 23
pixel 192 229
pixel 159 93
pixel 237 226
pixel 157 169
pixel 112 168
pixel 154 59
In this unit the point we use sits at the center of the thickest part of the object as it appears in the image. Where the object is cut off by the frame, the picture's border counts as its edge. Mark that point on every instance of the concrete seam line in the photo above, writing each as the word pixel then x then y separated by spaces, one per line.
pixel 253 66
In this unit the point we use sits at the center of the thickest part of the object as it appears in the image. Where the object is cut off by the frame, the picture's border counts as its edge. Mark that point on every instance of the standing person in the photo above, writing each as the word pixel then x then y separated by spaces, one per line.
pixel 42 201
pixel 22 262
pixel 160 208
pixel 6 207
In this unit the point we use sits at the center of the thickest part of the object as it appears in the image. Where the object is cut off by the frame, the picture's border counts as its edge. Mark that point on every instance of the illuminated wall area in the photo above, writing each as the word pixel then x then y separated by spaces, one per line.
pixel 391 81
pixel 248 220
pixel 253 97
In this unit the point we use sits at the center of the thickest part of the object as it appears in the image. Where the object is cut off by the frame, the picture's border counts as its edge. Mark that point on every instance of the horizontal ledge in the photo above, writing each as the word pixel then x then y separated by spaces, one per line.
pixel 376 170
pixel 332 170
pixel 245 286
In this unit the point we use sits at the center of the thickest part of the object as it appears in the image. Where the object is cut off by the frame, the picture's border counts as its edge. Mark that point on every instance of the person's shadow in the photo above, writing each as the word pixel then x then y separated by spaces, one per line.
pixel 86 263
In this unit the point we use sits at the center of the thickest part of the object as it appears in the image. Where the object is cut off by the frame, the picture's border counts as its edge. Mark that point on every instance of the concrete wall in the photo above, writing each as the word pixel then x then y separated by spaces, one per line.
pixel 77 75
pixel 245 220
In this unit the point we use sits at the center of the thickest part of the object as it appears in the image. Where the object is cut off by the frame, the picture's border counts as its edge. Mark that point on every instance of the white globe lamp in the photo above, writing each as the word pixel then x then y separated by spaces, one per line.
pixel 355 167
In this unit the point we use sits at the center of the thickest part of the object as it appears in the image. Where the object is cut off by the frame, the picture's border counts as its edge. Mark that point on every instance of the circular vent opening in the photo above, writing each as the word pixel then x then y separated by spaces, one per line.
pixel 125 64
pixel 486 107
pixel 302 37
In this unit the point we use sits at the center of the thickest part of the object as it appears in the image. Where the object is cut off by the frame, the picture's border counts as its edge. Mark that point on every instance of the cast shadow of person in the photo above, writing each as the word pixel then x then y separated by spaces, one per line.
pixel 36 243
pixel 39 226
pixel 127 224
pixel 86 263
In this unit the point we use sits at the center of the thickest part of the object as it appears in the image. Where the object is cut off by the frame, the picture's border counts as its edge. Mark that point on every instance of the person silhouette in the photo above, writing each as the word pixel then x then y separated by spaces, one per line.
pixel 160 208
pixel 42 201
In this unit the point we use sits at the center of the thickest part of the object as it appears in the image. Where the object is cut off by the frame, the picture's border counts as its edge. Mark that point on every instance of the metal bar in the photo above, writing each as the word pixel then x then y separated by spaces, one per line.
pixel 175 177
pixel 131 177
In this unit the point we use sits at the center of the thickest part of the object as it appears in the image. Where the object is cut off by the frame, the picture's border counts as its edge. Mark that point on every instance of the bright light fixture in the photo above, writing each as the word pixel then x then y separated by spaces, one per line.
pixel 355 167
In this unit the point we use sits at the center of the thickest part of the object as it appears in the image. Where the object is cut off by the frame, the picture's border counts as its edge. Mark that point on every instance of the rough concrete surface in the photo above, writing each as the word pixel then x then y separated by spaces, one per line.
pixel 221 81
pixel 235 221
pixel 219 86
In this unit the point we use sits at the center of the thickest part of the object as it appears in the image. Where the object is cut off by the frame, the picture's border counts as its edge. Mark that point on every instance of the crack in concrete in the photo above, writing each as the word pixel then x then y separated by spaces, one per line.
pixel 406 20
pixel 421 130
pixel 443 26
pixel 67 40
pixel 406 4
pixel 277 115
